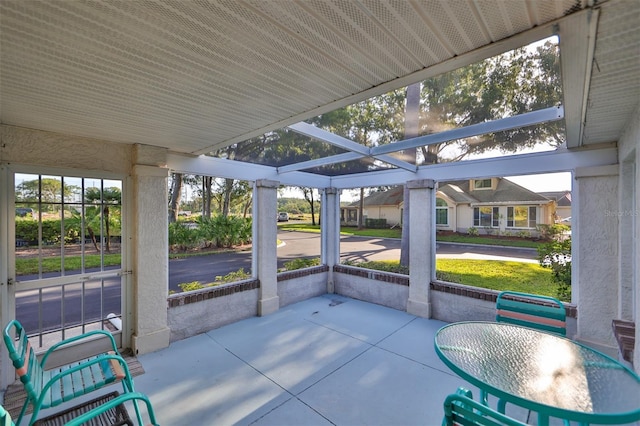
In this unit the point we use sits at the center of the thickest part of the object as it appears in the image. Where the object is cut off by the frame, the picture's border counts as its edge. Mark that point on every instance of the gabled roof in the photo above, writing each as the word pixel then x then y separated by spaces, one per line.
pixel 458 191
pixel 505 192
pixel 562 198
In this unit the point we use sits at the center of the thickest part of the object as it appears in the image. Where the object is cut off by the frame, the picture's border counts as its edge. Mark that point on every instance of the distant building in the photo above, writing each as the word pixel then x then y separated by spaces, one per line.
pixel 563 203
pixel 489 205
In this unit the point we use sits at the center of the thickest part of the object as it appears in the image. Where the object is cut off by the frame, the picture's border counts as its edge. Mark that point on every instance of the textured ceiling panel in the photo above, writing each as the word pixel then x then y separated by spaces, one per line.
pixel 615 83
pixel 195 75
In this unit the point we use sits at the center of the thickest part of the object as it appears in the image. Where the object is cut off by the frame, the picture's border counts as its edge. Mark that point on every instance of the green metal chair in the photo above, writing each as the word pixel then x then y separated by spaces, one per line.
pixel 5 417
pixel 47 388
pixel 461 409
pixel 131 396
pixel 532 310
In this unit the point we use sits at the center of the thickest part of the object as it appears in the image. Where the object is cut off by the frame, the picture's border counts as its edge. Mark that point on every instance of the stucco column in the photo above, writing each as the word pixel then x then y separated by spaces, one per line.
pixel 330 231
pixel 150 245
pixel 422 245
pixel 595 255
pixel 265 245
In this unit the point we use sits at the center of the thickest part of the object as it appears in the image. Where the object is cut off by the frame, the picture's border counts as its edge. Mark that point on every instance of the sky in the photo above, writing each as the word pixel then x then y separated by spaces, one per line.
pixel 545 182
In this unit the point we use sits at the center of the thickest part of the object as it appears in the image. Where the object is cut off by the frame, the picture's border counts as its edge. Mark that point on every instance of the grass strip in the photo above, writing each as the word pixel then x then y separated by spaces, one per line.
pixel 30 266
pixel 490 274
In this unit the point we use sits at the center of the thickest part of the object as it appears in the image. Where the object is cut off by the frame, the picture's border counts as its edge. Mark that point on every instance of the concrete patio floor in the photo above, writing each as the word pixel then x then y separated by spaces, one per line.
pixel 329 360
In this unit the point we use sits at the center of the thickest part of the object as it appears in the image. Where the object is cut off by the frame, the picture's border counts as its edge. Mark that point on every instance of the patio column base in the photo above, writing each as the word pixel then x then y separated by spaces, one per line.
pixel 151 342
pixel 268 306
pixel 419 309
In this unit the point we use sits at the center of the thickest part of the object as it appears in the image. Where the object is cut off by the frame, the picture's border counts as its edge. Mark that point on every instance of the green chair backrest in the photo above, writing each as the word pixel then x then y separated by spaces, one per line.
pixel 532 310
pixel 5 417
pixel 464 411
pixel 23 358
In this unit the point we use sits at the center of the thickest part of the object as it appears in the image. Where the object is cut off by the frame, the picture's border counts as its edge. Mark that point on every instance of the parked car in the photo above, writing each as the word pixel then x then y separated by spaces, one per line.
pixel 283 217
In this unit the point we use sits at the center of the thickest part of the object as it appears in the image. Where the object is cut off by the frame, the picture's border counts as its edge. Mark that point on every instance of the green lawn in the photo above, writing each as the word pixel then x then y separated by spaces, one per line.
pixel 490 274
pixel 71 263
pixel 498 275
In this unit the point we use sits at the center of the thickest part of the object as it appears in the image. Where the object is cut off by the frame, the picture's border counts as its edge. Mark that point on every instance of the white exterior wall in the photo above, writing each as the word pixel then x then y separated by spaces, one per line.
pixel 391 213
pixel 205 315
pixel 302 288
pixel 595 255
pixel 629 244
pixel 370 290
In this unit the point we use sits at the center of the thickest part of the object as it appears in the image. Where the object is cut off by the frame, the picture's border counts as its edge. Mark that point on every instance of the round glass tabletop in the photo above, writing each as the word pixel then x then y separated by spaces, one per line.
pixel 541 371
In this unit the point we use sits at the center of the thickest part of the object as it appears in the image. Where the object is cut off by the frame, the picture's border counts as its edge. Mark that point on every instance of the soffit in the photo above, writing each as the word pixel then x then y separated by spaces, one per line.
pixel 614 92
pixel 192 76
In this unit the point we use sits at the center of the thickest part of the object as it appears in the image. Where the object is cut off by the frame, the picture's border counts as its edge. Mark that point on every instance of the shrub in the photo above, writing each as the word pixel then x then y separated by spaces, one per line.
pixel 300 264
pixel 225 231
pixel 181 236
pixel 231 277
pixel 375 223
pixel 552 232
pixel 473 231
pixel 193 285
pixel 556 255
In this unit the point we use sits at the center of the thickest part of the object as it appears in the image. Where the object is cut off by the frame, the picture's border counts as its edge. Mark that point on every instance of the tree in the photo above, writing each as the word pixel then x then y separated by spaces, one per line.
pixel 103 200
pixel 175 192
pixel 308 195
pixel 48 191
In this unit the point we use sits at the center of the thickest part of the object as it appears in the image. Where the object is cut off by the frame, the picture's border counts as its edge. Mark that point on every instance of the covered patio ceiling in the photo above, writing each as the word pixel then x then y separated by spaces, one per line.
pixel 197 76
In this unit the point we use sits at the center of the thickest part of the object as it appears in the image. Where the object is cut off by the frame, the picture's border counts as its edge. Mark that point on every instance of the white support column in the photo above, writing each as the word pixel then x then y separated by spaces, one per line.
pixel 330 231
pixel 595 256
pixel 150 244
pixel 265 245
pixel 7 268
pixel 422 244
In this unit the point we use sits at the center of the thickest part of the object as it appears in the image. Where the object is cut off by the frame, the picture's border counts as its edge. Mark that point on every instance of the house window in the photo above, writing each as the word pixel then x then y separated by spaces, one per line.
pixel 486 217
pixel 521 217
pixel 442 212
pixel 353 215
pixel 482 184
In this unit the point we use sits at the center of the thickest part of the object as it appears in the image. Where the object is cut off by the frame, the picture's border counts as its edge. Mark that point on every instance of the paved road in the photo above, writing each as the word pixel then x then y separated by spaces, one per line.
pixel 206 268
pixel 302 244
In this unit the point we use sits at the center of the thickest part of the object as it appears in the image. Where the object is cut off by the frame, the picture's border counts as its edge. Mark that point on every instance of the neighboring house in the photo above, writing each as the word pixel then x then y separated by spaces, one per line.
pixel 563 203
pixel 378 205
pixel 489 205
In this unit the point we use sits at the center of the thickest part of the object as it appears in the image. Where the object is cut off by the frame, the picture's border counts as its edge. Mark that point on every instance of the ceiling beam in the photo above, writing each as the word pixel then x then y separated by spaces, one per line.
pixel 560 160
pixel 577 44
pixel 522 120
pixel 342 142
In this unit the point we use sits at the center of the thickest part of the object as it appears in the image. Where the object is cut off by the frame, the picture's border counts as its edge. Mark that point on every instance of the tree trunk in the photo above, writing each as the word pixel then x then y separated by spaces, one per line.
pixel 226 197
pixel 411 130
pixel 175 194
pixel 107 228
pixel 206 196
pixel 361 210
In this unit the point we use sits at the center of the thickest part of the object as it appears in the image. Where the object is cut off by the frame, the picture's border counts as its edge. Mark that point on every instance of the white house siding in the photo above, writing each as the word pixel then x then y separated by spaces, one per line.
pixel 390 213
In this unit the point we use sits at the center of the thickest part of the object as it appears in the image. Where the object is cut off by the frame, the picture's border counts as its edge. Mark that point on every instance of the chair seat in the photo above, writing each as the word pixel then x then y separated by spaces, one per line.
pixel 88 377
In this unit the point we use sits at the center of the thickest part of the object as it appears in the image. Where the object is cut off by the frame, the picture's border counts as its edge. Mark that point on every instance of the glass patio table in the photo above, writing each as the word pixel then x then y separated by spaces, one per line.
pixel 549 374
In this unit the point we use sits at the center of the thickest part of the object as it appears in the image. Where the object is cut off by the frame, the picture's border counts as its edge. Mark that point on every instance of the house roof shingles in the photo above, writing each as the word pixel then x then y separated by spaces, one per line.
pixel 459 191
